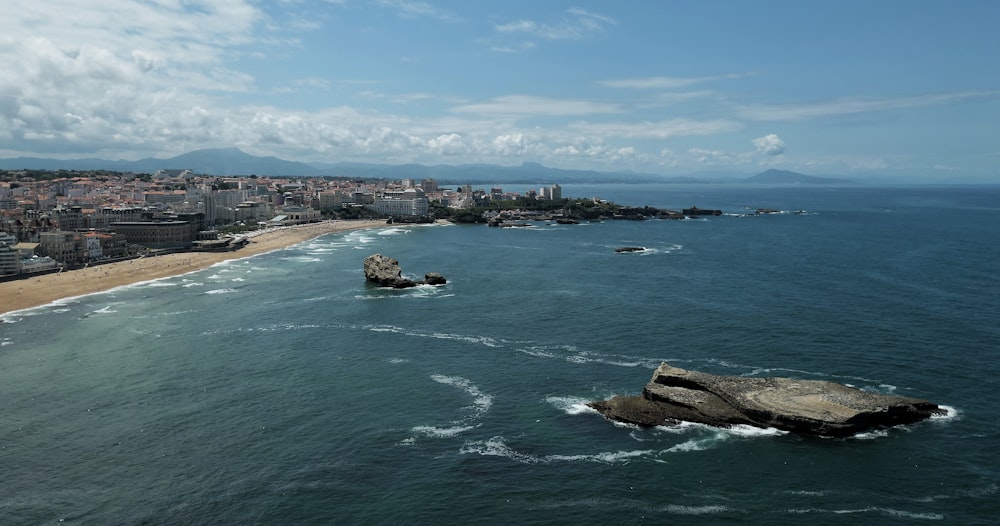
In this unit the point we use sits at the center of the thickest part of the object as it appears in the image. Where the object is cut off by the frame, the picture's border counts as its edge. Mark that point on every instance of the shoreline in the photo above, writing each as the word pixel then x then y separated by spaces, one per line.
pixel 29 293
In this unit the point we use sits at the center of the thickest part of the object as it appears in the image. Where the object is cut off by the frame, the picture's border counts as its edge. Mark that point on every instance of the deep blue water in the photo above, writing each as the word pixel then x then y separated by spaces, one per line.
pixel 282 389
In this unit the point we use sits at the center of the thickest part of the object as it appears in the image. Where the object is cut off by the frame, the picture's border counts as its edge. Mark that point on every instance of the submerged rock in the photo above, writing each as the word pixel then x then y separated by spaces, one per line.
pixel 386 271
pixel 809 407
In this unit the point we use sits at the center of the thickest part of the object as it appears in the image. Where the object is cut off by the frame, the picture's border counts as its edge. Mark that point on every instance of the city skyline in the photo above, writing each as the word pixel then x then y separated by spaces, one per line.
pixel 898 91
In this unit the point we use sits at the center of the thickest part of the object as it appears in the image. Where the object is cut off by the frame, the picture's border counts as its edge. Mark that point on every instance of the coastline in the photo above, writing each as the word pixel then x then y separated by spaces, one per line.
pixel 41 290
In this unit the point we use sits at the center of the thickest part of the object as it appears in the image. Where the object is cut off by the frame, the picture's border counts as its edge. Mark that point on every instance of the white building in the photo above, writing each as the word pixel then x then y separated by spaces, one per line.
pixel 409 202
pixel 294 214
pixel 553 192
pixel 38 264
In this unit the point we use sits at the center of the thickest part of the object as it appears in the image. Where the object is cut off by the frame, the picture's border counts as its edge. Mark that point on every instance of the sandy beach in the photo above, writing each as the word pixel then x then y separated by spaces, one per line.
pixel 40 290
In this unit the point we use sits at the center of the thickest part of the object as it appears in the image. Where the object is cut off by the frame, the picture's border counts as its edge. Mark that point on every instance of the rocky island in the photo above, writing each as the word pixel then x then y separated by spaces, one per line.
pixel 808 407
pixel 386 271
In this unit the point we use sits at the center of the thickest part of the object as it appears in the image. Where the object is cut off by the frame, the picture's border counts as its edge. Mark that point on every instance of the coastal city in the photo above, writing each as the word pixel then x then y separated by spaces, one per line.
pixel 54 220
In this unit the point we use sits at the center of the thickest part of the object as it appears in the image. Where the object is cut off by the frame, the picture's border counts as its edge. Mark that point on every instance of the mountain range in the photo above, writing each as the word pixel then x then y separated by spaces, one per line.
pixel 233 161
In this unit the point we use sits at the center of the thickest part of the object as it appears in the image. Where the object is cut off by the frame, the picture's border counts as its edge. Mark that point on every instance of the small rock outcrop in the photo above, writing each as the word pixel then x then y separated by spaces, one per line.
pixel 808 407
pixel 386 271
pixel 621 250
pixel 434 278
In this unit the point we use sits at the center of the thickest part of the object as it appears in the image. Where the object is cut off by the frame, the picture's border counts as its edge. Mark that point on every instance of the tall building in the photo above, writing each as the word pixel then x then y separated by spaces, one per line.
pixel 10 258
pixel 429 185
pixel 550 192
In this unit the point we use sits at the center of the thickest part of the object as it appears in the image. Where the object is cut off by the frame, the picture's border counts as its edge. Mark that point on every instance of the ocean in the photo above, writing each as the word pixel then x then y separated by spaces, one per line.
pixel 283 389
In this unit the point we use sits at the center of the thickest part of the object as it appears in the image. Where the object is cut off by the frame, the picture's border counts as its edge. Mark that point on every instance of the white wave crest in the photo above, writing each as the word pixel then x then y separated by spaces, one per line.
pixel 871 435
pixel 710 436
pixel 571 405
pixel 393 232
pixel 220 291
pixel 742 430
pixel 951 413
pixel 695 444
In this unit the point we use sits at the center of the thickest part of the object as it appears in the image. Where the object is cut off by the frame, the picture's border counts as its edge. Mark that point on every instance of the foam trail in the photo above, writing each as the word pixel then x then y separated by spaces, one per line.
pixel 497 447
pixel 481 403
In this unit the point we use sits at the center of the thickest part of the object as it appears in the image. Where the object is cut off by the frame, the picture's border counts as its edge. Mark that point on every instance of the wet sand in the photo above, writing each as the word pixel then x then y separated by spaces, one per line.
pixel 41 290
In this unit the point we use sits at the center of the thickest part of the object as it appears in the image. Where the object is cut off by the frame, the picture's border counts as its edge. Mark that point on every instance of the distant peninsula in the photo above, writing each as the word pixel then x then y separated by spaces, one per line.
pixel 774 176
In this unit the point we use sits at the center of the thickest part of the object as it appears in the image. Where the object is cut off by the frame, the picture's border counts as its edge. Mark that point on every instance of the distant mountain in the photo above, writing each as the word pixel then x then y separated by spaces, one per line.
pixel 233 161
pixel 222 161
pixel 773 176
pixel 229 161
pixel 526 173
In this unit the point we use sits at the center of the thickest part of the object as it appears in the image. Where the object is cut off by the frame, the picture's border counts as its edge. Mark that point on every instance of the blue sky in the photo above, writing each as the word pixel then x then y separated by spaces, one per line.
pixel 899 90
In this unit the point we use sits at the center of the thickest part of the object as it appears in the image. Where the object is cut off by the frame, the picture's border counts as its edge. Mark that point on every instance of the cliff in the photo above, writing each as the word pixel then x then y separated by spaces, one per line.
pixel 809 407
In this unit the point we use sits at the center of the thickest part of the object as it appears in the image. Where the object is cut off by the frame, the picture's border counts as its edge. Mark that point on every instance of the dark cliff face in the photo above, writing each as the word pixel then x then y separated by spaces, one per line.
pixel 808 407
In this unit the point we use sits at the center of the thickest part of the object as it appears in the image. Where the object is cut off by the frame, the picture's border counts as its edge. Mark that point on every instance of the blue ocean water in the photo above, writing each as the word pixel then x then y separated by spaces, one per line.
pixel 282 389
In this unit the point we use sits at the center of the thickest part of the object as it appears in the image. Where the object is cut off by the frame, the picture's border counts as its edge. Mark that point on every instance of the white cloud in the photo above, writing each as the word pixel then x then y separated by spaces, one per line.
pixel 528 105
pixel 666 82
pixel 795 112
pixel 411 9
pixel 449 144
pixel 575 24
pixel 706 156
pixel 515 48
pixel 99 78
pixel 770 145
pixel 509 144
pixel 665 129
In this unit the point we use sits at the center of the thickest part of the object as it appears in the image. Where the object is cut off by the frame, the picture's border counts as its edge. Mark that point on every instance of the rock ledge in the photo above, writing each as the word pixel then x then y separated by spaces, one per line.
pixel 809 407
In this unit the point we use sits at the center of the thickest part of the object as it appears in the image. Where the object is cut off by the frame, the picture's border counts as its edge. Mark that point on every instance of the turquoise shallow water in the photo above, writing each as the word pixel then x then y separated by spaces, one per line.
pixel 283 389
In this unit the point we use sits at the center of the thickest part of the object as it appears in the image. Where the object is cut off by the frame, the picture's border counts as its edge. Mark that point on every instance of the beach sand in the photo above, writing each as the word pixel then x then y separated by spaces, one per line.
pixel 44 289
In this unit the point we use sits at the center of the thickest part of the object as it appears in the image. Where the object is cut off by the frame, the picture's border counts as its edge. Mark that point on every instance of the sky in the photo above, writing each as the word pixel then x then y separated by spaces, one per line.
pixel 905 90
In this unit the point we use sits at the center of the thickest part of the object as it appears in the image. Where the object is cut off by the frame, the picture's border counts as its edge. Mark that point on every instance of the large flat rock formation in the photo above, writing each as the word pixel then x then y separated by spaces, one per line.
pixel 810 407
